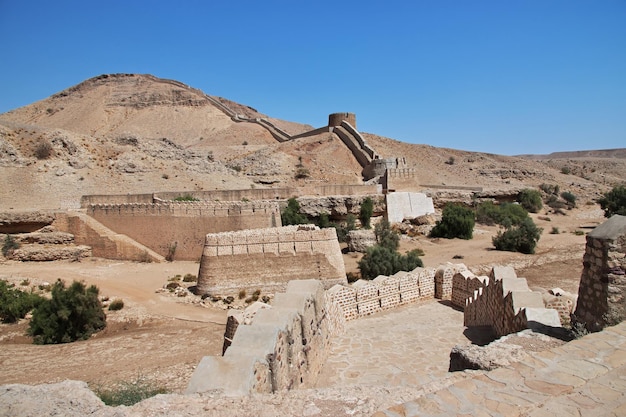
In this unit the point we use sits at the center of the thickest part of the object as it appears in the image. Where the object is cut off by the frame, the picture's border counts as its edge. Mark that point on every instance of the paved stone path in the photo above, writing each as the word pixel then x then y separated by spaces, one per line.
pixel 404 347
pixel 586 377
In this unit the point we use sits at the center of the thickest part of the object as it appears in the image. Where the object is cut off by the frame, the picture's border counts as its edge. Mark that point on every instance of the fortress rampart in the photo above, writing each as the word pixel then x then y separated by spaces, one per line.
pixel 267 259
pixel 178 229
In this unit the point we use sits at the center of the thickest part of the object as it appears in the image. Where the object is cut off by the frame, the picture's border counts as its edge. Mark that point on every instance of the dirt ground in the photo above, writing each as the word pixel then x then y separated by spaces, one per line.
pixel 161 338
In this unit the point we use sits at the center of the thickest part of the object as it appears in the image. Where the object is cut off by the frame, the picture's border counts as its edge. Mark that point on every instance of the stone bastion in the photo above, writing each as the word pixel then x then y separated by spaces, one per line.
pixel 267 259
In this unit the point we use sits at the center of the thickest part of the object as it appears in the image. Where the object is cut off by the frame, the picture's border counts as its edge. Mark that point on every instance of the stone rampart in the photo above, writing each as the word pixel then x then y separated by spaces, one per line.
pixel 401 179
pixel 505 303
pixel 602 289
pixel 283 348
pixel 177 229
pixel 267 259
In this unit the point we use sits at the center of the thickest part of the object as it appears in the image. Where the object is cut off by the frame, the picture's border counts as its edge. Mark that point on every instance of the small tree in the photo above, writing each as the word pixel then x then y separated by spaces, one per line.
pixel 522 238
pixel 73 313
pixel 9 245
pixel 14 303
pixel 614 202
pixel 530 199
pixel 291 214
pixel 385 236
pixel 365 214
pixel 456 221
pixel 323 221
pixel 505 214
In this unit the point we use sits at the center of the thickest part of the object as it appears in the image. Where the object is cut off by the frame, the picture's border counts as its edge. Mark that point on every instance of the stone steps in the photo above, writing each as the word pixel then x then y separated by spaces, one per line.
pixel 583 377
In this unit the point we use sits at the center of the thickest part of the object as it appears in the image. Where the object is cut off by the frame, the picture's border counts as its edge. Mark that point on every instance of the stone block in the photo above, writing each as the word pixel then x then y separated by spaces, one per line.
pixel 370 306
pixel 499 272
pixel 389 301
pixel 233 375
pixel 513 284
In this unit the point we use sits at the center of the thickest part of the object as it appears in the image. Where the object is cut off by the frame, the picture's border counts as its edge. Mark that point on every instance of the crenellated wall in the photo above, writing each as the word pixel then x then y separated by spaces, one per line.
pixel 505 303
pixel 267 259
pixel 181 227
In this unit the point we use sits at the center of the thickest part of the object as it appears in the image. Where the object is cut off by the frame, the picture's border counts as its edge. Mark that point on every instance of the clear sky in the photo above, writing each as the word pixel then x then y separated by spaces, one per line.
pixel 506 77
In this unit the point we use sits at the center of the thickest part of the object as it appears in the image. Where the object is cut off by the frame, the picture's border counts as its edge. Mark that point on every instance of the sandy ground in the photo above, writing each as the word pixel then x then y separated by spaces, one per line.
pixel 162 338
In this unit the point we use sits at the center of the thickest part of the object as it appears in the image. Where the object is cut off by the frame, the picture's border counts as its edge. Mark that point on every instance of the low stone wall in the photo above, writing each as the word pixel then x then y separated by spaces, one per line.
pixel 267 259
pixel 506 304
pixel 178 229
pixel 284 347
pixel 602 289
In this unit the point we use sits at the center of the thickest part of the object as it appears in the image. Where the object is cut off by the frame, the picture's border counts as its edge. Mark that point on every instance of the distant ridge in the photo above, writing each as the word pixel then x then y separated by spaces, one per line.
pixel 600 153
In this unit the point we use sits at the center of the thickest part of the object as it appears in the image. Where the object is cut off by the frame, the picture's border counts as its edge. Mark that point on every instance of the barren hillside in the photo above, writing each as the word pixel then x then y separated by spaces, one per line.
pixel 126 133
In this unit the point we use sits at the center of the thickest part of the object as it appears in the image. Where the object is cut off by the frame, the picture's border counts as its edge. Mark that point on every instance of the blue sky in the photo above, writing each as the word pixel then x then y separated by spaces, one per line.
pixel 506 77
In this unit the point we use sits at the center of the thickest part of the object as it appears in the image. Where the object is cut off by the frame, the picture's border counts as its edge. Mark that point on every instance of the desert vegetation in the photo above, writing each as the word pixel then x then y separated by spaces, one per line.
pixel 456 222
pixel 614 201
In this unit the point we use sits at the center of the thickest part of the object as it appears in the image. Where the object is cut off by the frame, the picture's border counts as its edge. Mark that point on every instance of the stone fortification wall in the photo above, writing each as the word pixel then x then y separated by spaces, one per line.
pixel 267 259
pixel 506 304
pixel 401 179
pixel 385 292
pixel 602 289
pixel 179 228
pixel 256 194
pixel 283 348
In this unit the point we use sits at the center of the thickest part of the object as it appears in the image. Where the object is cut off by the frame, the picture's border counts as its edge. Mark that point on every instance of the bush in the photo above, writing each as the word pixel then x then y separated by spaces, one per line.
pixel 186 197
pixel 522 238
pixel 189 278
pixel 614 202
pixel 549 189
pixel 570 198
pixel 14 303
pixel 344 229
pixel 505 214
pixel 456 221
pixel 530 199
pixel 566 170
pixel 365 214
pixel 555 231
pixel 323 221
pixel 383 258
pixel 129 393
pixel 73 313
pixel 291 214
pixel 10 244
pixel 43 150
pixel 116 305
pixel 380 260
pixel 385 236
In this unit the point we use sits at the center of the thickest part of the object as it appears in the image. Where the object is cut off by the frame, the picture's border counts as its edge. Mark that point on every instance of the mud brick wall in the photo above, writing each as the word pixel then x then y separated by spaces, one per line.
pixel 266 259
pixel 602 289
pixel 183 225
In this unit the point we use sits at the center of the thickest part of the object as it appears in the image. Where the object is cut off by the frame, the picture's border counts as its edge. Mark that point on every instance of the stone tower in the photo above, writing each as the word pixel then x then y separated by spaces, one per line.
pixel 335 119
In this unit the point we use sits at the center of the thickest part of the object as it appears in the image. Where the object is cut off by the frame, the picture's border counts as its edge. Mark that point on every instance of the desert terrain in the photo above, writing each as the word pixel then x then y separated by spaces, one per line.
pixel 127 133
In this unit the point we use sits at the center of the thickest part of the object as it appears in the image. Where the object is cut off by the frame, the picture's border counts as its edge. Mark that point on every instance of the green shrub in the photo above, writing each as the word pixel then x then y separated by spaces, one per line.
pixel 614 202
pixel 189 278
pixel 505 214
pixel 456 221
pixel 14 303
pixel 380 260
pixel 530 199
pixel 323 221
pixel 365 214
pixel 566 170
pixel 570 198
pixel 522 238
pixel 385 236
pixel 129 393
pixel 186 197
pixel 555 231
pixel 291 214
pixel 9 245
pixel 73 313
pixel 344 228
pixel 116 305
pixel 549 189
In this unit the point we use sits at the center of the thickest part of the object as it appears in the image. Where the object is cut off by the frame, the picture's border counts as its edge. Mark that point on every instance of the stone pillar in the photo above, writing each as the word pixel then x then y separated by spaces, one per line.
pixel 602 289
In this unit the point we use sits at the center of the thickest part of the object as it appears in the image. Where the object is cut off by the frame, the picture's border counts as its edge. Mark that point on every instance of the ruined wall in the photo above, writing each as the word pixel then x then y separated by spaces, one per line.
pixel 401 179
pixel 602 289
pixel 183 225
pixel 267 259
pixel 284 347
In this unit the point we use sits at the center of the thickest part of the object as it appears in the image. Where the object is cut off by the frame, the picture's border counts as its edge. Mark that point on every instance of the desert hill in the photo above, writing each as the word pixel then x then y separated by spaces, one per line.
pixel 127 133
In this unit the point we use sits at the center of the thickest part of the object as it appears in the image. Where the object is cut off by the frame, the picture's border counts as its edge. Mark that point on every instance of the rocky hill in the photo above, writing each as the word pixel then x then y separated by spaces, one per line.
pixel 127 133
